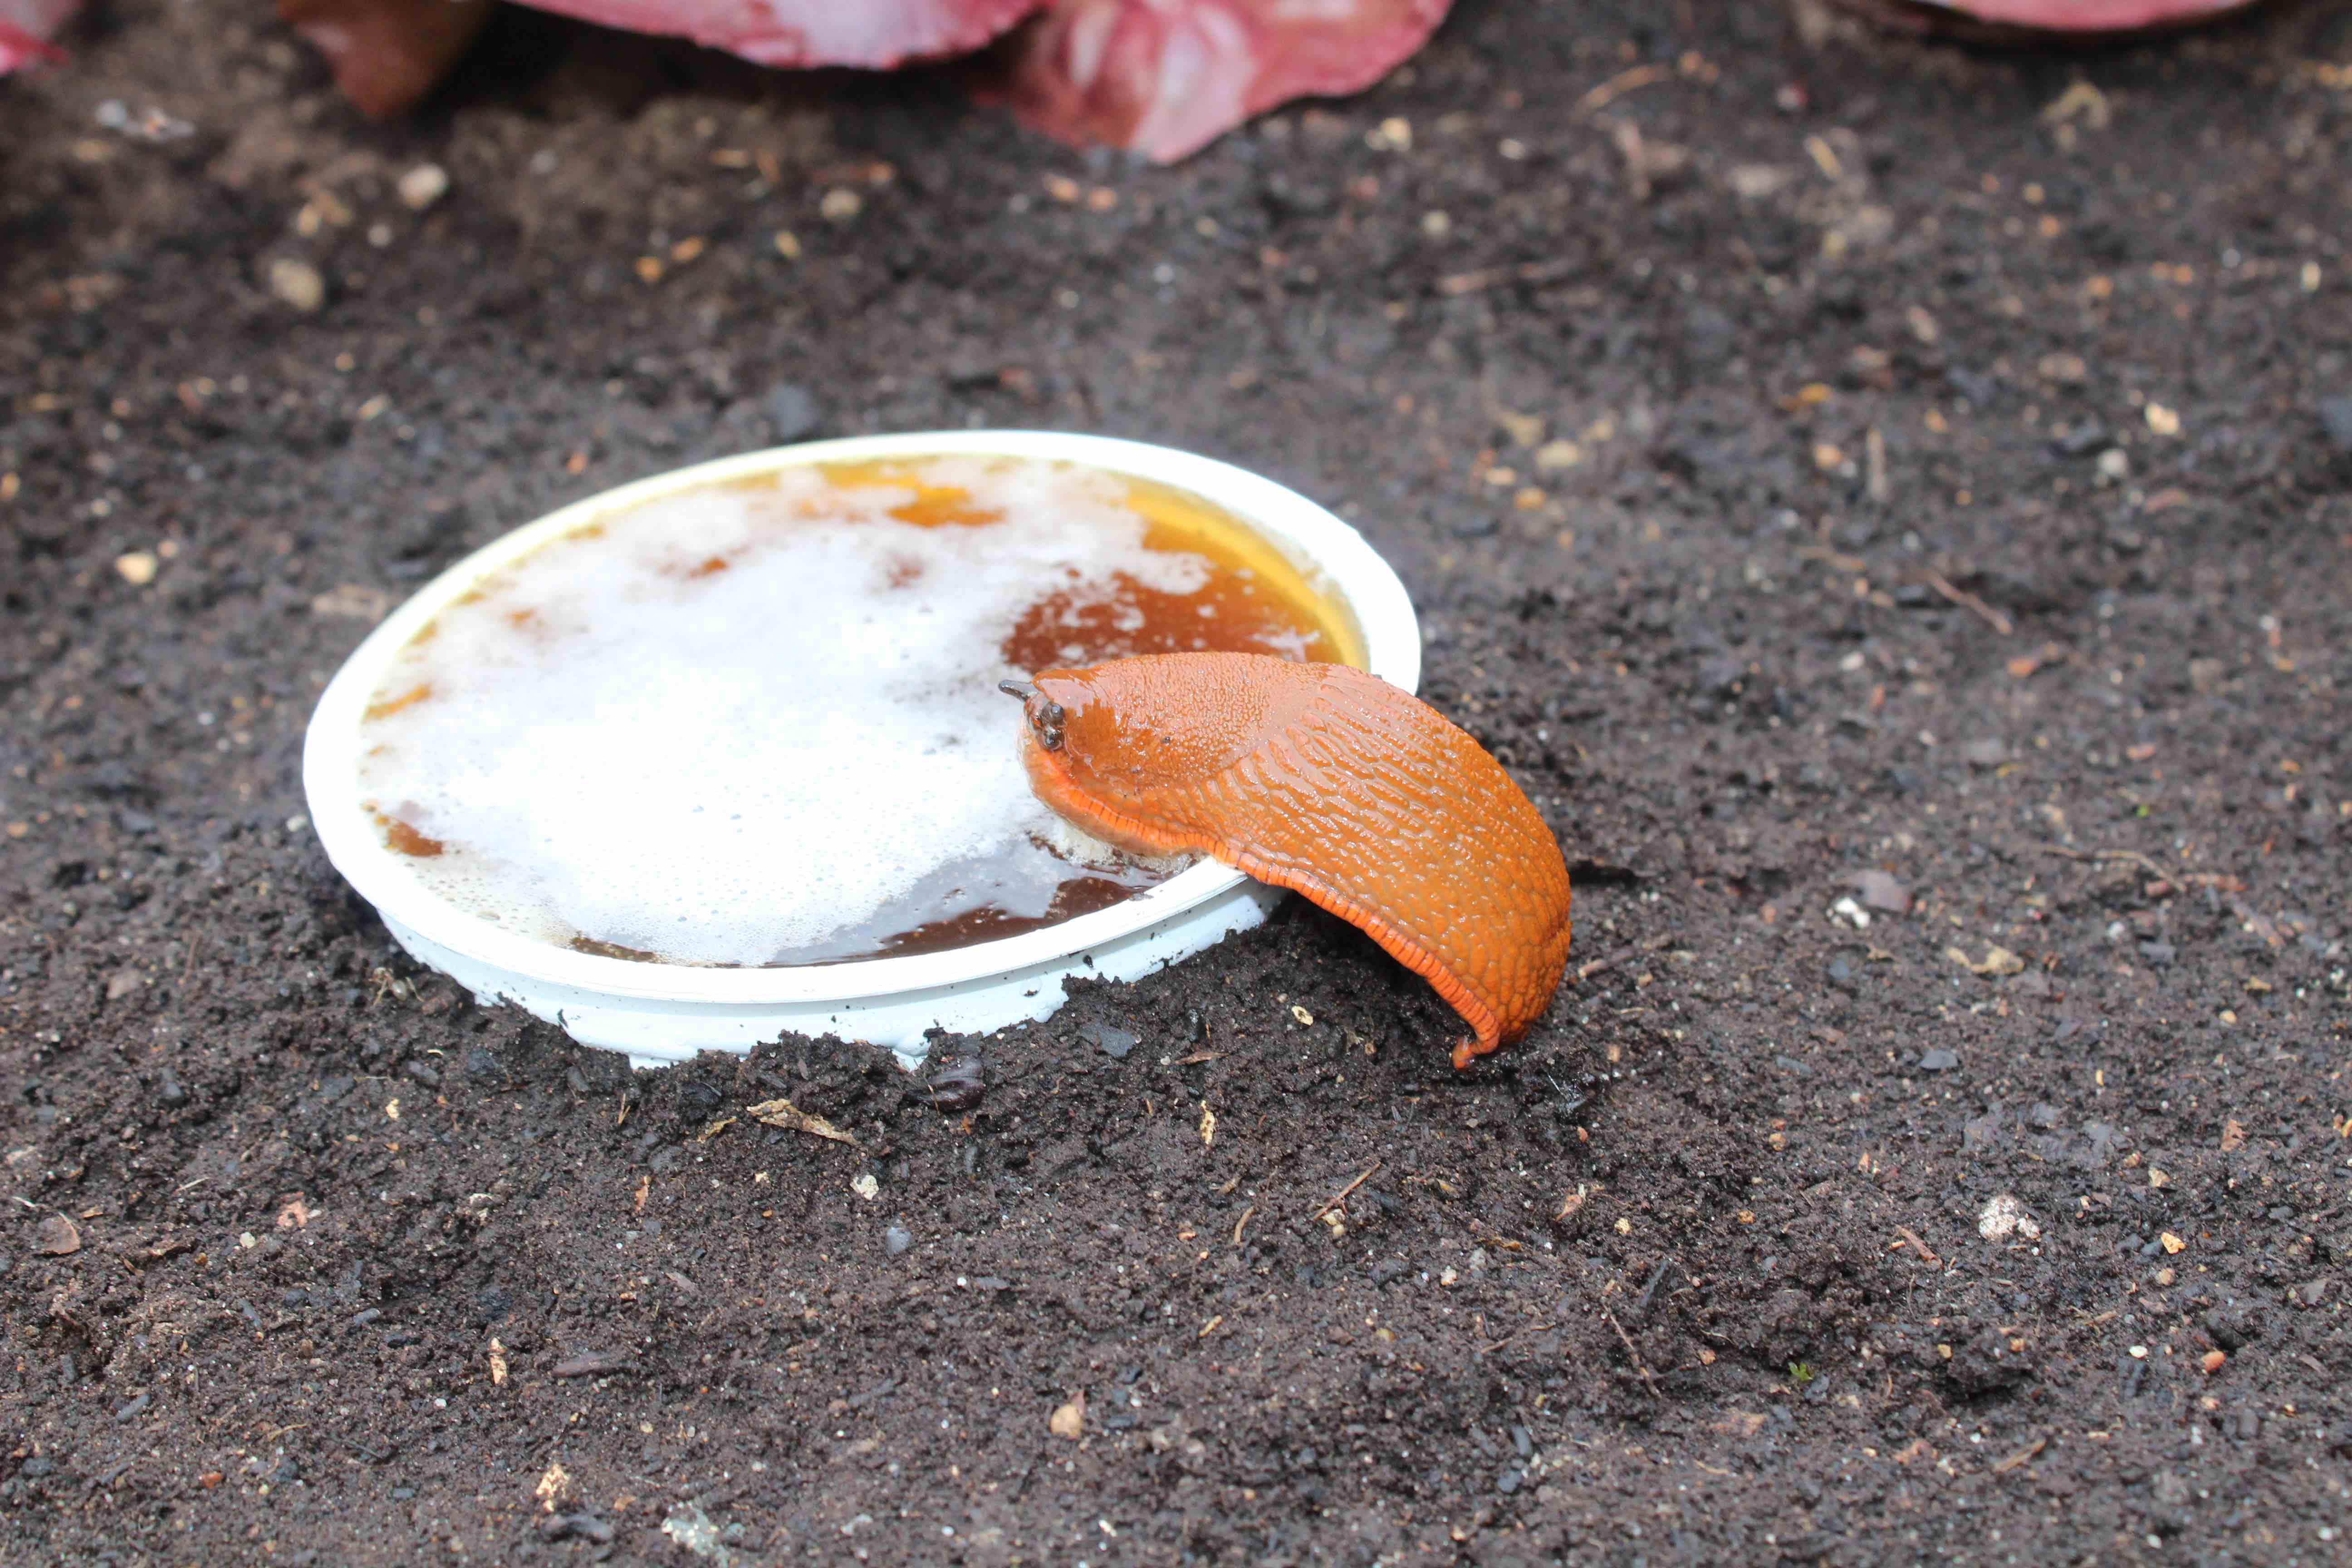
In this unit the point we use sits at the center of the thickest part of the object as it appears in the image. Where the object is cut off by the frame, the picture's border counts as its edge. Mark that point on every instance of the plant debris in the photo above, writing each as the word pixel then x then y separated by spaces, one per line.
pixel 785 1114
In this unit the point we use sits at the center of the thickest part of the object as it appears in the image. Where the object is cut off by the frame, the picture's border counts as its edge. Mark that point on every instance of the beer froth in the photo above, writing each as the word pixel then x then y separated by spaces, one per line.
pixel 758 723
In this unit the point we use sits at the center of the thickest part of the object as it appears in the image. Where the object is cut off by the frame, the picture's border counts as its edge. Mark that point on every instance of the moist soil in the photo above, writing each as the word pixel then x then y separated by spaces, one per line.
pixel 1891 507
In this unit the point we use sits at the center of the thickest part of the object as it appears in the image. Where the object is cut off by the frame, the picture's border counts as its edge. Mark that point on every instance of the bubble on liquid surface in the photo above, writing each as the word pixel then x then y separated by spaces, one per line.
pixel 718 727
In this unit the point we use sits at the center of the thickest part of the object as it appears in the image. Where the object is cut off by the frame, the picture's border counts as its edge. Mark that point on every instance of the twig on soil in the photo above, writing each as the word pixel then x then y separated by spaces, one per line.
pixel 1641 1302
pixel 783 1113
pixel 1627 1340
pixel 1618 86
pixel 1926 1254
pixel 1833 558
pixel 1240 1224
pixel 2131 856
pixel 1599 966
pixel 593 1364
pixel 1335 1199
pixel 2220 880
pixel 2021 1455
pixel 1455 284
pixel 2261 924
pixel 1968 601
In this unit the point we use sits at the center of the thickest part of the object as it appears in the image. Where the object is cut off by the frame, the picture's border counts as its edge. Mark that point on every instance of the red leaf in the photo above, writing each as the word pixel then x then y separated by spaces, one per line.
pixel 1166 79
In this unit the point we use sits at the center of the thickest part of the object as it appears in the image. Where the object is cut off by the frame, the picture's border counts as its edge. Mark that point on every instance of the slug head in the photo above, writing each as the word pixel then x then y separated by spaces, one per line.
pixel 1047 718
pixel 1120 731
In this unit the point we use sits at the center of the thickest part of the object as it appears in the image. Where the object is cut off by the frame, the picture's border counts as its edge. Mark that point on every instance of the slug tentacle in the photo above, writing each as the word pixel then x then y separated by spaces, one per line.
pixel 1332 783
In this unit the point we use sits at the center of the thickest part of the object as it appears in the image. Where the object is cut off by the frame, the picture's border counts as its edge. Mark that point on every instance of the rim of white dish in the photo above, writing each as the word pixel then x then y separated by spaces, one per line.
pixel 1334 555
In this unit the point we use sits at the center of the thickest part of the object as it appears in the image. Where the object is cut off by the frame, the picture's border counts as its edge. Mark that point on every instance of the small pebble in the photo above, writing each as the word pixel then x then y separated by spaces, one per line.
pixel 1113 1041
pixel 564 1526
pixel 1940 1060
pixel 137 568
pixel 896 1239
pixel 1988 752
pixel 1882 891
pixel 2003 1216
pixel 298 283
pixel 793 412
pixel 424 186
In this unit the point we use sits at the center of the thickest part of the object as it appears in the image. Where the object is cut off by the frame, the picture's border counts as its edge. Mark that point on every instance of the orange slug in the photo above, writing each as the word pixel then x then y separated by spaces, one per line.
pixel 1332 783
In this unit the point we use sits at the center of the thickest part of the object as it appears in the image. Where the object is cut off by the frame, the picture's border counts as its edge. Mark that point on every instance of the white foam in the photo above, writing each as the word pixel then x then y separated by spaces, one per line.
pixel 718 768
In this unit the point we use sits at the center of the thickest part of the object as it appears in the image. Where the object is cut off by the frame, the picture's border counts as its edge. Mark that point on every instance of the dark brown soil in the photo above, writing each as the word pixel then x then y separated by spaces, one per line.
pixel 1837 600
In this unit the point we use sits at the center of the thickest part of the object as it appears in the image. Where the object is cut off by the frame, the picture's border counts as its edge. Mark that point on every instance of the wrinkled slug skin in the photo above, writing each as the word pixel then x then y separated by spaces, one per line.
pixel 1332 782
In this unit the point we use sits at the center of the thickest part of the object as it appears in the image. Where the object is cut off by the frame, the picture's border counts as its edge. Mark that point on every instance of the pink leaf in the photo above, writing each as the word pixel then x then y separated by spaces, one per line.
pixel 26 28
pixel 1166 77
pixel 2054 15
pixel 876 34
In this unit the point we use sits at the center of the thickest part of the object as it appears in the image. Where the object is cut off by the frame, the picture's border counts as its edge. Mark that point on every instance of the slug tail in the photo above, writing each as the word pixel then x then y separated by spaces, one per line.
pixel 1470 1047
pixel 1475 1010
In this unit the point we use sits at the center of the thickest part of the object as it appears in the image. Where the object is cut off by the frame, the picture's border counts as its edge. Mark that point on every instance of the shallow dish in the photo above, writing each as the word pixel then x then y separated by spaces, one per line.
pixel 657 1011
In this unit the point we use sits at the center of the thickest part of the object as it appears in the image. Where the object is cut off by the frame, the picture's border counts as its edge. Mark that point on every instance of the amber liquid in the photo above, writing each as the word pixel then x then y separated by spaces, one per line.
pixel 1252 600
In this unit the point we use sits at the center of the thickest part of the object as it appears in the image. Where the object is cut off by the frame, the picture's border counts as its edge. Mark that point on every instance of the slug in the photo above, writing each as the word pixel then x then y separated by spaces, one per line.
pixel 1332 783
